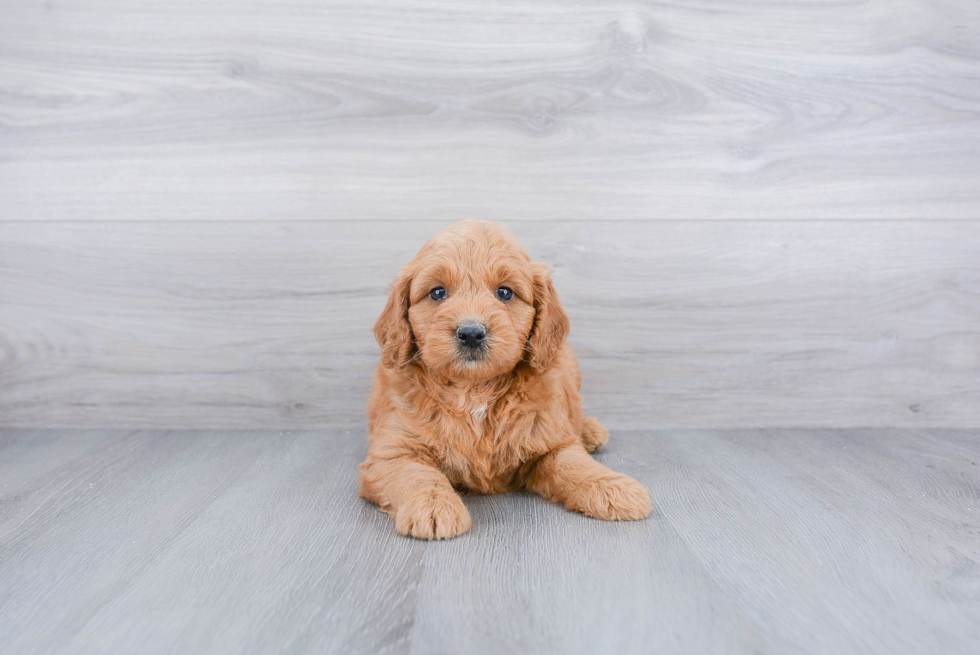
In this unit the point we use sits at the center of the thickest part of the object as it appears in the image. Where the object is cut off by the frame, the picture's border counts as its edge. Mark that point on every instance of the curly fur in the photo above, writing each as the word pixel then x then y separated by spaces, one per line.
pixel 441 423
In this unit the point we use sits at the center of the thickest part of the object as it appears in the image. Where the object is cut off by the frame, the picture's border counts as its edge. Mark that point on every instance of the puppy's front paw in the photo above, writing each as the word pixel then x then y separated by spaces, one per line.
pixel 620 498
pixel 433 515
pixel 594 434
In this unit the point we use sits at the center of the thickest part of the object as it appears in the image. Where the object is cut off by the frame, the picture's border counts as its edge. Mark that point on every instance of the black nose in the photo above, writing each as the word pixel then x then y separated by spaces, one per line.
pixel 471 335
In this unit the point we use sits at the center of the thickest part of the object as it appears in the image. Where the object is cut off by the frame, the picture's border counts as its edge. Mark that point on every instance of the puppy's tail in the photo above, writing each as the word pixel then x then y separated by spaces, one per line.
pixel 594 434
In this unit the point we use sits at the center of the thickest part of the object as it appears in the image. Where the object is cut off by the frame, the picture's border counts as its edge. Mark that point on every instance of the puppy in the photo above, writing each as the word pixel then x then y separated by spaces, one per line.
pixel 477 391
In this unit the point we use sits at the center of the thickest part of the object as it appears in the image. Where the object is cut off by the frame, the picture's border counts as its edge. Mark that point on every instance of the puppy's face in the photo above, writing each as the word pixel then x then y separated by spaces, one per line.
pixel 472 306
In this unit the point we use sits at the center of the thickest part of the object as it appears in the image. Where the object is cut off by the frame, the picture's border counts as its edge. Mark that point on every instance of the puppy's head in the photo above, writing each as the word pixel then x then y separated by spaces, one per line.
pixel 472 306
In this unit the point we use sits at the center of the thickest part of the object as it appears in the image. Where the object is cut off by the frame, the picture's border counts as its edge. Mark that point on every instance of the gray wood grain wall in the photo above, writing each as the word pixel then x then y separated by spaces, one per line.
pixel 758 213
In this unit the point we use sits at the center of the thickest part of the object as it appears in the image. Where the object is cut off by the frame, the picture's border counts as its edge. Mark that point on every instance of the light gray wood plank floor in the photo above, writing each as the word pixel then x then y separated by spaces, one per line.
pixel 834 541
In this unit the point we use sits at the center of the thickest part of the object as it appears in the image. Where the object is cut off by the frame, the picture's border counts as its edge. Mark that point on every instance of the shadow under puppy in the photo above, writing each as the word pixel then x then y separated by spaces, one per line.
pixel 477 391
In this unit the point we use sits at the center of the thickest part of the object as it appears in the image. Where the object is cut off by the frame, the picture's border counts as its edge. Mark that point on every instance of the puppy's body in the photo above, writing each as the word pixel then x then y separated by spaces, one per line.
pixel 449 414
pixel 482 435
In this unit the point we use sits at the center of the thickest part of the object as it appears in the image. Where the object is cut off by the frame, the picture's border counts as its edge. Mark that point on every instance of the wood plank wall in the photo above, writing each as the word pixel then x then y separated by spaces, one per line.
pixel 759 214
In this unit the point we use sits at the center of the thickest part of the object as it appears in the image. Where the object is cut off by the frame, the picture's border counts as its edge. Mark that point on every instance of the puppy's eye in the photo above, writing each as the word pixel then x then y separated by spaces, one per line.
pixel 505 294
pixel 439 293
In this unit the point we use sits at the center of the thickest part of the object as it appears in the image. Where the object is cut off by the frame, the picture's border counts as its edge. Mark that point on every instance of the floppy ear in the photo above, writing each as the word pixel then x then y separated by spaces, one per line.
pixel 392 330
pixel 550 328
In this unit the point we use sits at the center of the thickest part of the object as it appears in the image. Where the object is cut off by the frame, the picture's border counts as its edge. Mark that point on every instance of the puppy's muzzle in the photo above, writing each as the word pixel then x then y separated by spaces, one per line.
pixel 471 336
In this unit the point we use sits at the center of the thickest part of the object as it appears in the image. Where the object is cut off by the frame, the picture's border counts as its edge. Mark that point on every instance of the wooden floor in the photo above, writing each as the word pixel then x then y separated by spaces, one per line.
pixel 228 542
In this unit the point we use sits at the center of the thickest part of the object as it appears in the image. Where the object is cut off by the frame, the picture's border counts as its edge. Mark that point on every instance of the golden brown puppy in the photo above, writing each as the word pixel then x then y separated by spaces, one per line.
pixel 477 391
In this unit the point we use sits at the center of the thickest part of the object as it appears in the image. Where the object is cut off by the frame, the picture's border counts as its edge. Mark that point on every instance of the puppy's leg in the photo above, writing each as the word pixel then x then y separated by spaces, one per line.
pixel 594 434
pixel 570 476
pixel 418 496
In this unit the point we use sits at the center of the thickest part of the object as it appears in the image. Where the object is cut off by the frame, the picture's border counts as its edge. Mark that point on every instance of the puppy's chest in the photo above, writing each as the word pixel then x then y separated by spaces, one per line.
pixel 478 449
pixel 478 412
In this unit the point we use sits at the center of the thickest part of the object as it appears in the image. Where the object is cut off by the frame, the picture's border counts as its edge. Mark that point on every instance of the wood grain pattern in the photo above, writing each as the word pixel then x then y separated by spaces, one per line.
pixel 832 492
pixel 844 541
pixel 436 109
pixel 725 324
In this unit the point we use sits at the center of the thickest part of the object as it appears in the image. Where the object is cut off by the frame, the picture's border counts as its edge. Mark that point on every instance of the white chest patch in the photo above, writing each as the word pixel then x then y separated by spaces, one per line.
pixel 479 413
